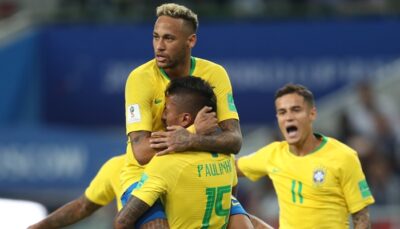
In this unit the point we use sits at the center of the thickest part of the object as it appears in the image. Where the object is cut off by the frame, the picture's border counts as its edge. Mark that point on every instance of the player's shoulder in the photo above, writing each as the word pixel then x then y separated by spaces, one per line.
pixel 203 63
pixel 341 149
pixel 145 70
pixel 276 146
pixel 192 157
pixel 114 162
pixel 120 159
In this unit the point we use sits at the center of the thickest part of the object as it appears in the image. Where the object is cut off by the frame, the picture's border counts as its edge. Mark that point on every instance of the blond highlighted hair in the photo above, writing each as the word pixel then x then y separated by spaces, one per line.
pixel 179 11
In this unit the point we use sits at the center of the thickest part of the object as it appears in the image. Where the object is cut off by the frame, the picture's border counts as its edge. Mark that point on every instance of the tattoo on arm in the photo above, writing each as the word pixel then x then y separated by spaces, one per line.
pixel 228 141
pixel 156 223
pixel 68 214
pixel 127 217
pixel 361 219
pixel 141 146
pixel 138 137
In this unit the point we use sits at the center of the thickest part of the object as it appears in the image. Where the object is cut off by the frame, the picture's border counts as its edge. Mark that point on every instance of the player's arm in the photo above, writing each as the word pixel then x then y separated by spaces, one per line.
pixel 361 219
pixel 259 223
pixel 127 217
pixel 228 140
pixel 178 139
pixel 68 214
pixel 238 171
pixel 141 146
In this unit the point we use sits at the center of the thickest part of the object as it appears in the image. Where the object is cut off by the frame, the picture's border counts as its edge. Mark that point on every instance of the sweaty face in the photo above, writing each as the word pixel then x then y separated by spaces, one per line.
pixel 295 117
pixel 170 42
pixel 171 115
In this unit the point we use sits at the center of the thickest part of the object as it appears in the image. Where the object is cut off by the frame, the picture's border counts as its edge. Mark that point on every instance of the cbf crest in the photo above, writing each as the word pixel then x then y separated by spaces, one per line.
pixel 319 176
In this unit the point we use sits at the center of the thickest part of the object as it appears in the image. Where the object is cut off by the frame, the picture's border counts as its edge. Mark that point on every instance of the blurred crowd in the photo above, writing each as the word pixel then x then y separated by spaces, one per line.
pixel 141 10
pixel 371 126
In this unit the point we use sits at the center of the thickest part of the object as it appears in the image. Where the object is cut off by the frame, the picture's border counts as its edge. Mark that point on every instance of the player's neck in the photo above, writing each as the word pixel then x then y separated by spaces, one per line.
pixel 182 69
pixel 305 147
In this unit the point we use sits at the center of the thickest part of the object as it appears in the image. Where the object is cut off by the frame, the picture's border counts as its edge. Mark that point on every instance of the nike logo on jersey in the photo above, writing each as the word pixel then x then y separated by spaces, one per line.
pixel 274 170
pixel 157 101
pixel 234 202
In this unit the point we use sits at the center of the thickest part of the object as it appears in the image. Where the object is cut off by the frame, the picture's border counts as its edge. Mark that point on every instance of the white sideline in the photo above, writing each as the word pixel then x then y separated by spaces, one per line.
pixel 19 214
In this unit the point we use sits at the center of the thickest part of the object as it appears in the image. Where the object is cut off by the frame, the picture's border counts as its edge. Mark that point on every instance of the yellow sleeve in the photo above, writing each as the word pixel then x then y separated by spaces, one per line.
pixel 138 100
pixel 254 166
pixel 159 175
pixel 235 178
pixel 100 190
pixel 191 129
pixel 354 185
pixel 226 108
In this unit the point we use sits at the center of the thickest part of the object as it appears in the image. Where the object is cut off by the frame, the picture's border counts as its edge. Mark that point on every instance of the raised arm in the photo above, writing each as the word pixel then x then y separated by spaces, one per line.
pixel 127 217
pixel 361 219
pixel 239 172
pixel 259 223
pixel 68 214
pixel 228 140
pixel 141 146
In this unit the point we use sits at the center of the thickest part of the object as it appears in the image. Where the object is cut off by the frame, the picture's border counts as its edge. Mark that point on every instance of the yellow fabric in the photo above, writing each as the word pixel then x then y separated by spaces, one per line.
pixel 191 129
pixel 189 184
pixel 144 103
pixel 315 191
pixel 106 184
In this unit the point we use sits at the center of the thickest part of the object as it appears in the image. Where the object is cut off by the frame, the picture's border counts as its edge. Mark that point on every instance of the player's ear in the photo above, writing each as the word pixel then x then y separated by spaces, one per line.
pixel 186 119
pixel 192 39
pixel 313 113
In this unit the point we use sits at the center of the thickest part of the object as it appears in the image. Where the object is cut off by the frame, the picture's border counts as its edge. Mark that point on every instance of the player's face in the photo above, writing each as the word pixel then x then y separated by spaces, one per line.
pixel 295 118
pixel 171 115
pixel 172 42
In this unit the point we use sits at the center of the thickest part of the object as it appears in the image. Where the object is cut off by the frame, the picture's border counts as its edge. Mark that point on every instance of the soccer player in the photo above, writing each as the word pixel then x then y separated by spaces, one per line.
pixel 101 191
pixel 174 36
pixel 318 180
pixel 195 187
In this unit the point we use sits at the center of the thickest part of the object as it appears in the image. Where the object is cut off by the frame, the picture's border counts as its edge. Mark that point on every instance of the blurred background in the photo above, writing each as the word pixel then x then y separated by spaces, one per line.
pixel 64 63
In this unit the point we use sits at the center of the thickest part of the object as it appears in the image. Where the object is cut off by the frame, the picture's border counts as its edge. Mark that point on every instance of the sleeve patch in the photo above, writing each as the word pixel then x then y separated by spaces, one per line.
pixel 231 103
pixel 364 189
pixel 133 114
pixel 143 179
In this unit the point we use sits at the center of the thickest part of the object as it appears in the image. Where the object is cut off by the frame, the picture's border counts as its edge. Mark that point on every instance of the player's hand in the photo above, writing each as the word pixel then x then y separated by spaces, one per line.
pixel 175 139
pixel 206 121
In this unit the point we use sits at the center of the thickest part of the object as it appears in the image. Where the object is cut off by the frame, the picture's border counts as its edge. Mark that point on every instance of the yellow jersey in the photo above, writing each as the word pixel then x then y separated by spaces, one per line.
pixel 145 100
pixel 195 188
pixel 106 185
pixel 318 190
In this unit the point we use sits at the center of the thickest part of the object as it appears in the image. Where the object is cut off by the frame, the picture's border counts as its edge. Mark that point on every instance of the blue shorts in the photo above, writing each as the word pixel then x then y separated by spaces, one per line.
pixel 236 207
pixel 154 212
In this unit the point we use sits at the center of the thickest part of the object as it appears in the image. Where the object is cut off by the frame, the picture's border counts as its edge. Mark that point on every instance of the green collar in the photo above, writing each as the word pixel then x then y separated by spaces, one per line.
pixel 324 140
pixel 192 67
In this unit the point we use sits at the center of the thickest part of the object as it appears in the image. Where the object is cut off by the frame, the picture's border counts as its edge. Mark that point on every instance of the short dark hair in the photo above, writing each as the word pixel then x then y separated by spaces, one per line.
pixel 298 89
pixel 194 92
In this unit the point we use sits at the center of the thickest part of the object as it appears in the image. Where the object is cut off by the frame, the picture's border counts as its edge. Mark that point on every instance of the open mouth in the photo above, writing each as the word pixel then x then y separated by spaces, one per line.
pixel 291 130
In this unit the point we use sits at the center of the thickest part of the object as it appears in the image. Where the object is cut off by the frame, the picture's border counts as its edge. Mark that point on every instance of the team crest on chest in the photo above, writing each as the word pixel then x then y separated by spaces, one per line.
pixel 319 176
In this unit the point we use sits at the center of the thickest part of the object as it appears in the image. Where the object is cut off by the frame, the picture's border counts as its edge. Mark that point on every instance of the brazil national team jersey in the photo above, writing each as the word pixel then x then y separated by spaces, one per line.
pixel 318 190
pixel 195 188
pixel 106 185
pixel 145 99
